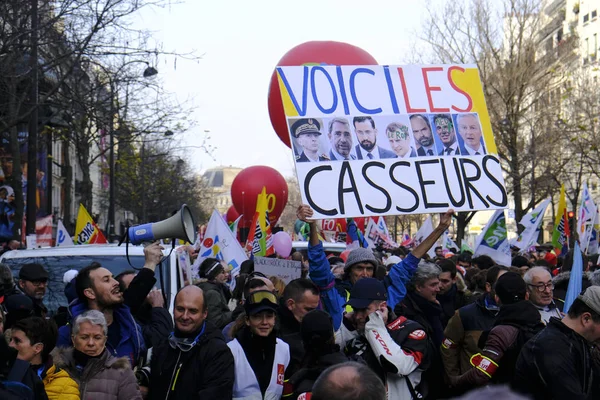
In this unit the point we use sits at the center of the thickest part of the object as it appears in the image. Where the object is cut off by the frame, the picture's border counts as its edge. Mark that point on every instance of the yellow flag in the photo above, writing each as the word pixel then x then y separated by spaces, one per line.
pixel 86 230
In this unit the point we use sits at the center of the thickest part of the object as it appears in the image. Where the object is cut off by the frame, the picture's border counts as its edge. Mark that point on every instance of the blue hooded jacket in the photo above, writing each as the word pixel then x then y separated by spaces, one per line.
pixel 333 301
pixel 132 343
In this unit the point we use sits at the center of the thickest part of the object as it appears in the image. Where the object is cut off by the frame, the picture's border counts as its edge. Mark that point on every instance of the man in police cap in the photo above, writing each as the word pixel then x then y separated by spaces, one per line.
pixel 307 133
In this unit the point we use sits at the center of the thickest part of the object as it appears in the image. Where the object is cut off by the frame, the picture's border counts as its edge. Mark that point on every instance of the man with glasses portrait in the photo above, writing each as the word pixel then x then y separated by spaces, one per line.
pixel 33 282
pixel 541 291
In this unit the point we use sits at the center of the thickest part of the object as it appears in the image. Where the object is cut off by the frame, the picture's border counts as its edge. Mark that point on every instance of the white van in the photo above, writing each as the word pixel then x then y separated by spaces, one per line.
pixel 58 260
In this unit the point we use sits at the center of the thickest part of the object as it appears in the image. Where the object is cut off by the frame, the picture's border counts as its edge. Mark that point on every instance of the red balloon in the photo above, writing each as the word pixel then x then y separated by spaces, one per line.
pixel 249 183
pixel 231 215
pixel 317 52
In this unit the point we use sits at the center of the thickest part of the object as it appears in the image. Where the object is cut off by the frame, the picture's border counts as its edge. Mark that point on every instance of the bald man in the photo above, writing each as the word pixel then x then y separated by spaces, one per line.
pixel 348 381
pixel 194 362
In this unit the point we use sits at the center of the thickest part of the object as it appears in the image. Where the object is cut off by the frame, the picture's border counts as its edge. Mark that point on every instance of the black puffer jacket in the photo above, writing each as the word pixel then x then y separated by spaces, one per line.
pixel 289 331
pixel 216 299
pixel 304 379
pixel 205 372
pixel 557 364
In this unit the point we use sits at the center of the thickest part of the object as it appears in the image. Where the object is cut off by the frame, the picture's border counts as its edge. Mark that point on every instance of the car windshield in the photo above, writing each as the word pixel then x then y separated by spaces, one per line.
pixel 57 266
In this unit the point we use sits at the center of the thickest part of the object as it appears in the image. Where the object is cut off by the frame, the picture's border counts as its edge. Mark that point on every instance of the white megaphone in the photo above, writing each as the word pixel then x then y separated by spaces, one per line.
pixel 179 226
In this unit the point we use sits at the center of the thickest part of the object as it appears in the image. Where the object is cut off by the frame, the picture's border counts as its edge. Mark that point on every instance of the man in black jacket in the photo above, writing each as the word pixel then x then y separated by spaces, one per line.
pixel 194 362
pixel 557 363
pixel 300 296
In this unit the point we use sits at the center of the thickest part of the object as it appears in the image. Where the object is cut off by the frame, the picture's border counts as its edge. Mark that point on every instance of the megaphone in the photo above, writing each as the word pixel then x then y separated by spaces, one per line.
pixel 179 226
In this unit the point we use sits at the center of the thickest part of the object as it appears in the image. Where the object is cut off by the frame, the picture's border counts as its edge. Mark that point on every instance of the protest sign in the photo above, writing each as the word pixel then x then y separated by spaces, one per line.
pixel 379 140
pixel 286 270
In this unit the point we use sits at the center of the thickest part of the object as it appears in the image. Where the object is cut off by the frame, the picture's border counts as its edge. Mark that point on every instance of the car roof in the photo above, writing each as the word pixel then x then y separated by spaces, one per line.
pixel 328 246
pixel 92 250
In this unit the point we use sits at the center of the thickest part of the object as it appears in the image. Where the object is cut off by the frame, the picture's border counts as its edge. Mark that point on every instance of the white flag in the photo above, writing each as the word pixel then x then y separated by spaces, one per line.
pixel 493 240
pixel 448 244
pixel 220 243
pixel 587 217
pixel 62 236
pixel 425 230
pixel 531 222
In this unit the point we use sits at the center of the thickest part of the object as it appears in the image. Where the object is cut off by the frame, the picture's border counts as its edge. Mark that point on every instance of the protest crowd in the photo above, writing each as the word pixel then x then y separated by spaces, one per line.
pixel 382 323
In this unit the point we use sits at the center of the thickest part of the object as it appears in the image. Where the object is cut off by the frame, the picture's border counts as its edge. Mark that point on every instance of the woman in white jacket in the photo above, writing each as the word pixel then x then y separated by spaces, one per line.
pixel 260 357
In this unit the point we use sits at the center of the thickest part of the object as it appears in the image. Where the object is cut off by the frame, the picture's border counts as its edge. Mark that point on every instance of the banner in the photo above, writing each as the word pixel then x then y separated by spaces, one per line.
pixel 586 219
pixel 425 230
pixel 260 240
pixel 219 242
pixel 286 270
pixel 62 236
pixel 43 231
pixel 448 245
pixel 387 140
pixel 560 236
pixel 377 233
pixel 493 240
pixel 531 222
pixel 593 246
pixel 86 230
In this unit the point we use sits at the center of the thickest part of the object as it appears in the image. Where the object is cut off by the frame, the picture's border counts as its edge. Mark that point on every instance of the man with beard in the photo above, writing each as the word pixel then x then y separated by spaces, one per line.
pixel 341 140
pixel 366 133
pixel 445 131
pixel 33 282
pixel 421 128
pixel 98 290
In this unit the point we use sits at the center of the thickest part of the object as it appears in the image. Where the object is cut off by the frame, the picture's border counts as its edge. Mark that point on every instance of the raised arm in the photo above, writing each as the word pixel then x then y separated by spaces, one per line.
pixel 425 245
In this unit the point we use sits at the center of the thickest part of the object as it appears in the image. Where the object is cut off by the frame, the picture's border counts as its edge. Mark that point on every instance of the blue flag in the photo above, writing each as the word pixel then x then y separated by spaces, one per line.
pixel 575 281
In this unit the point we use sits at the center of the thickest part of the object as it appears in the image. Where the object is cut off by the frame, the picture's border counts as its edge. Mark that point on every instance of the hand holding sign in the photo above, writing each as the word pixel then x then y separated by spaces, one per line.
pixel 446 219
pixel 304 213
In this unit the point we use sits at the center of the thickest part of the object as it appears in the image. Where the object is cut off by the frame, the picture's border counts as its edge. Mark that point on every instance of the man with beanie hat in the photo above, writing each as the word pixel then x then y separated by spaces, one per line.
pixel 33 282
pixel 361 263
pixel 517 321
pixel 397 349
pixel 216 294
pixel 558 363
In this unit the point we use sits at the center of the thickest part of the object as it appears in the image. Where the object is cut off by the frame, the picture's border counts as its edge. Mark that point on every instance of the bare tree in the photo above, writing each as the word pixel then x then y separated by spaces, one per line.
pixel 521 79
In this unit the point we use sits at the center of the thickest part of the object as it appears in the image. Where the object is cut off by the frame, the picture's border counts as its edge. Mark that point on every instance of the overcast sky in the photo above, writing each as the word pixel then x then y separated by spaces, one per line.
pixel 241 42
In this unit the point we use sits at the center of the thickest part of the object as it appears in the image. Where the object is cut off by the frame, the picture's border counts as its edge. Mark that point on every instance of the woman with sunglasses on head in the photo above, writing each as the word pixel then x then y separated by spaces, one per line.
pixel 260 357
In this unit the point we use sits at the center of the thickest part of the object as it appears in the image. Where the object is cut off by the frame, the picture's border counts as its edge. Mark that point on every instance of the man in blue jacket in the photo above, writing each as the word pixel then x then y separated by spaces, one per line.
pixel 98 290
pixel 361 263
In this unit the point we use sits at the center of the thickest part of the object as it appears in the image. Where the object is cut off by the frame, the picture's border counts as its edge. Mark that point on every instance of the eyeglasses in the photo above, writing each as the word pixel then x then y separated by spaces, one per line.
pixel 261 295
pixel 39 283
pixel 542 287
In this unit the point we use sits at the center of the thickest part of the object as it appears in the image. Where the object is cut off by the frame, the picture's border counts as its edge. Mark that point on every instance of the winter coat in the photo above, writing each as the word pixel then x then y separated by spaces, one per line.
pixel 132 343
pixel 515 324
pixel 204 372
pixel 59 385
pixel 335 293
pixel 557 364
pixel 156 322
pixel 462 333
pixel 450 302
pixel 103 378
pixel 289 332
pixel 561 284
pixel 304 379
pixel 216 302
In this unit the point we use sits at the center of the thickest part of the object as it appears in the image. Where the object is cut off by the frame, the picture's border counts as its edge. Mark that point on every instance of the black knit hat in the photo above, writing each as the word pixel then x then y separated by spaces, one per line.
pixel 316 325
pixel 210 268
pixel 510 288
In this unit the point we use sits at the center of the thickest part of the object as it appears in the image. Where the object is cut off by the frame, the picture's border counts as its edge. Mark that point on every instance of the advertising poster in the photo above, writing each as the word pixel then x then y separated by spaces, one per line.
pixel 388 140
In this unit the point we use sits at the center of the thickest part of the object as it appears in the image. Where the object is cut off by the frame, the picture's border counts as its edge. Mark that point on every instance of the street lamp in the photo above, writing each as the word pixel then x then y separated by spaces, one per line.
pixel 148 72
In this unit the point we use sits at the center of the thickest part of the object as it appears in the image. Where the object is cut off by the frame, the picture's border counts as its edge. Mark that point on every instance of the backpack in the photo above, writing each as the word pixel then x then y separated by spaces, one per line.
pixel 12 388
